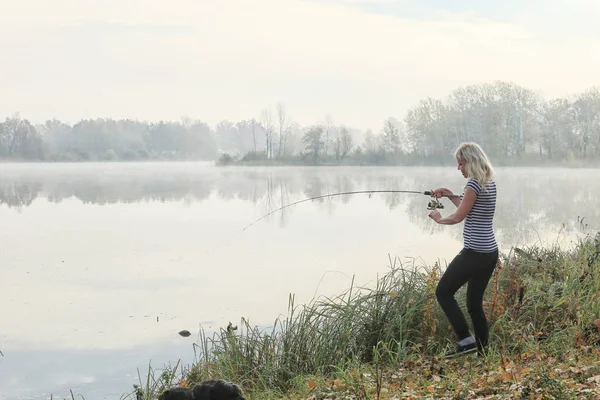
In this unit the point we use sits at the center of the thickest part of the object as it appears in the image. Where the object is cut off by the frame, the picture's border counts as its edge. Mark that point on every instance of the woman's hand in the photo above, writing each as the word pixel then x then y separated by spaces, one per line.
pixel 435 215
pixel 441 192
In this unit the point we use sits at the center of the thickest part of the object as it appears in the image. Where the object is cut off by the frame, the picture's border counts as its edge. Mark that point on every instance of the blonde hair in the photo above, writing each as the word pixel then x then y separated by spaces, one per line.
pixel 477 164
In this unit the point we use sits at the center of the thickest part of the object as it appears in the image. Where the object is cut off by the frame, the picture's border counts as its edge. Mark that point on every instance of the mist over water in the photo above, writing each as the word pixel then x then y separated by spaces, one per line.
pixel 103 263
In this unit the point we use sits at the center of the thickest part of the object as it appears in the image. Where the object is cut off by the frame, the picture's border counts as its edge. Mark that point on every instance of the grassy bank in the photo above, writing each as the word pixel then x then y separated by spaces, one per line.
pixel 387 341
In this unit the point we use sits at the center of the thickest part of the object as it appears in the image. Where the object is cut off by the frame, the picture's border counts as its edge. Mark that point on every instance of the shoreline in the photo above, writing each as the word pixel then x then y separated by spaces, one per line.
pixel 575 164
pixel 542 305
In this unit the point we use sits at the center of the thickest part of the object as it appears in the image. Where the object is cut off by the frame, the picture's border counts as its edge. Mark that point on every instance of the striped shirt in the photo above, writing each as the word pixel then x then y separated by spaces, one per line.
pixel 478 233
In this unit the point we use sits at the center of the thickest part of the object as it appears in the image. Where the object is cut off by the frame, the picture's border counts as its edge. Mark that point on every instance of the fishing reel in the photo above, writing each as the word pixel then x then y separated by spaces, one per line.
pixel 434 204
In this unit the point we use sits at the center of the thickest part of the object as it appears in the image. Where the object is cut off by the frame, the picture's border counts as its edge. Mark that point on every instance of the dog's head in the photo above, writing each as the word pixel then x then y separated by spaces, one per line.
pixel 177 393
pixel 217 390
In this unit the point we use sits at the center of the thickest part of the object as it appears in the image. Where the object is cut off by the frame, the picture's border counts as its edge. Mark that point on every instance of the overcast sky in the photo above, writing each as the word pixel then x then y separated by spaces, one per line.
pixel 359 61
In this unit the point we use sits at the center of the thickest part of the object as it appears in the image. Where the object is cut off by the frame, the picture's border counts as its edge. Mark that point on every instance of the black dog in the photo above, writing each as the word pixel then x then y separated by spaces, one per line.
pixel 207 390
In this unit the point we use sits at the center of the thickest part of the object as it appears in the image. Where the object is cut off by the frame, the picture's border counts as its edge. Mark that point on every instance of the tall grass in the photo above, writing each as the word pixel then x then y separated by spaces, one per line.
pixel 398 318
pixel 538 296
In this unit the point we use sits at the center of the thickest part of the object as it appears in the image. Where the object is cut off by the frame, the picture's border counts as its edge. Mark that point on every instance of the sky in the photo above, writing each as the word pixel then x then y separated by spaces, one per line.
pixel 358 61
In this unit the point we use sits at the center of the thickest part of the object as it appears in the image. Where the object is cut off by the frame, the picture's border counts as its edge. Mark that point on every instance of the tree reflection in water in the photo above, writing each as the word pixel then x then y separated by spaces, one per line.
pixel 530 200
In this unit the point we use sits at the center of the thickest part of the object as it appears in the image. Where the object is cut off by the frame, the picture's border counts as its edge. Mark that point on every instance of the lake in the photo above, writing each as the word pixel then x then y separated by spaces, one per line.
pixel 103 263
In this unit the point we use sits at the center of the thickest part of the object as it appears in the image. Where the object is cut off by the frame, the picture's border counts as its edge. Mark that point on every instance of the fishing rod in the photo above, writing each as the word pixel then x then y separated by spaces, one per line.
pixel 433 204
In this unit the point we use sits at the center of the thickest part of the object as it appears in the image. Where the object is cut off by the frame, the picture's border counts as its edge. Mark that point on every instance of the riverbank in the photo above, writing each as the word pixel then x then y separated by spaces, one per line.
pixel 227 160
pixel 388 341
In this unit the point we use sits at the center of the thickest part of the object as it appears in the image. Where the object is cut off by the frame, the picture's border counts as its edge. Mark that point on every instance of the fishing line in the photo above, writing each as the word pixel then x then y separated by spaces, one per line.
pixel 433 204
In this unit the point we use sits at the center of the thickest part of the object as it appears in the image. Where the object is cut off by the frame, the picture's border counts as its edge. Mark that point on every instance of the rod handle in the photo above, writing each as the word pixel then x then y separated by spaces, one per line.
pixel 430 192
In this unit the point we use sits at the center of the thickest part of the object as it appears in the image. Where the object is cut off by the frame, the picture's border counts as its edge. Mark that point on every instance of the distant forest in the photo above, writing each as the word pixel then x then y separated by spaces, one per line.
pixel 512 123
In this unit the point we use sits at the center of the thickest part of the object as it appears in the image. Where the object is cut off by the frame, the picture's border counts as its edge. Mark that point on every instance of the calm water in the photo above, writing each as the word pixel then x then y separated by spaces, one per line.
pixel 102 264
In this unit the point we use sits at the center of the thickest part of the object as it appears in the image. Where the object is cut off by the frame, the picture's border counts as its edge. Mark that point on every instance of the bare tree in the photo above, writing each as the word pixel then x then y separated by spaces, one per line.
pixel 391 137
pixel 293 138
pixel 269 128
pixel 371 143
pixel 254 134
pixel 346 143
pixel 282 119
pixel 329 131
pixel 343 143
pixel 187 121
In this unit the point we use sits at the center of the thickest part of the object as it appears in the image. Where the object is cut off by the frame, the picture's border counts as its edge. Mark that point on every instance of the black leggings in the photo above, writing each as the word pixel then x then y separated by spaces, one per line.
pixel 475 268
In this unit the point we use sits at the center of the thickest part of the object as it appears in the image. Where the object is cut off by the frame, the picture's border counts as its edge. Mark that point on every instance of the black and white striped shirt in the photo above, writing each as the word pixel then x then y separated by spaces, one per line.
pixel 478 233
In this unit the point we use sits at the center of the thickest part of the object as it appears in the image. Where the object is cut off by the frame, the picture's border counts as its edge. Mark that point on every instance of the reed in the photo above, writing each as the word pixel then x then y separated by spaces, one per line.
pixel 541 300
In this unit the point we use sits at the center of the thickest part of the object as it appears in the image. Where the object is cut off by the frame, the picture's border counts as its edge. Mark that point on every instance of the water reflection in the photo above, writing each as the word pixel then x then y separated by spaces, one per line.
pixel 531 200
pixel 92 254
pixel 40 374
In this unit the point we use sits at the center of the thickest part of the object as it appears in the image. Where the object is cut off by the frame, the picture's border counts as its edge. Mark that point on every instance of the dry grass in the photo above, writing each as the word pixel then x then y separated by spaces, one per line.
pixel 386 342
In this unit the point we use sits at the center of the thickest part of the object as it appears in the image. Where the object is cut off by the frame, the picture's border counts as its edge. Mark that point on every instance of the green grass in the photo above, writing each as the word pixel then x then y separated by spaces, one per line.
pixel 386 341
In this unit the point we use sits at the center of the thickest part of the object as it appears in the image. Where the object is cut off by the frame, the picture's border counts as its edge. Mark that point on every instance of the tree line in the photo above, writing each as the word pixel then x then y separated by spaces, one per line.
pixel 509 121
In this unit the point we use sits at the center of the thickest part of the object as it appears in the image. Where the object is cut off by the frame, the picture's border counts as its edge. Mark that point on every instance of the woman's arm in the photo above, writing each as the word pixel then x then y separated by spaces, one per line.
pixel 455 199
pixel 443 192
pixel 464 208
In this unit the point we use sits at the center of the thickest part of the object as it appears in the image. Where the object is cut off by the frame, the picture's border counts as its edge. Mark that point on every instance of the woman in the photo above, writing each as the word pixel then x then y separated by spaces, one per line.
pixel 476 261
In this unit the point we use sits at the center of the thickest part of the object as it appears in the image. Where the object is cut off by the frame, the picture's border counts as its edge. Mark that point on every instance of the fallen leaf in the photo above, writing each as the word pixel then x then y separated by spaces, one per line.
pixel 594 379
